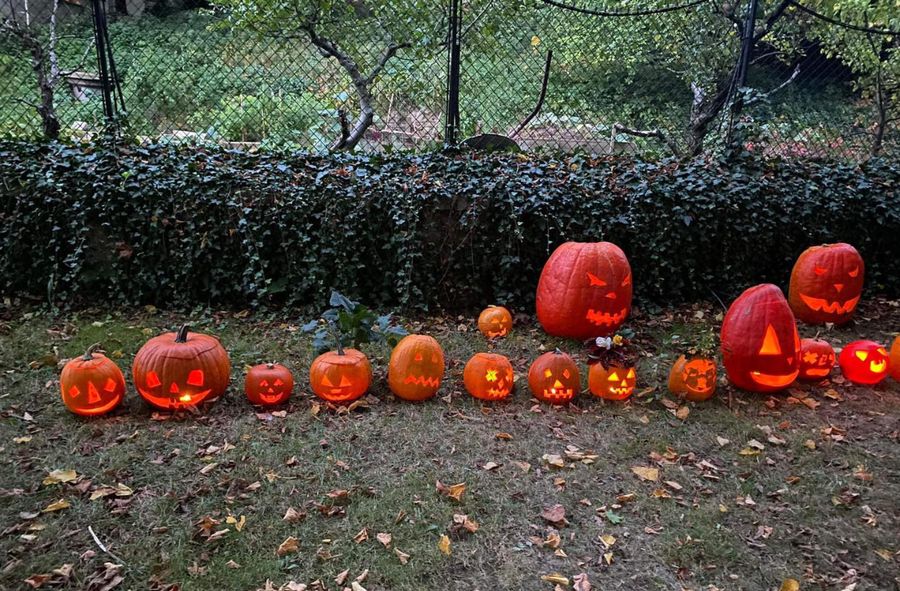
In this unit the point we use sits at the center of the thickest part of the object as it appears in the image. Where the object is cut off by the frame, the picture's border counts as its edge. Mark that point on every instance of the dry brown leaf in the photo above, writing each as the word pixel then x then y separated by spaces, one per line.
pixel 290 546
pixel 683 412
pixel 362 536
pixel 554 460
pixel 790 585
pixel 555 515
pixel 646 473
pixel 403 556
pixel 454 491
pixel 555 578
pixel 342 576
pixel 444 544
pixel 56 506
pixel 580 582
pixel 461 521
pixel 293 516
pixel 385 538
pixel 504 436
pixel 60 477
pixel 608 540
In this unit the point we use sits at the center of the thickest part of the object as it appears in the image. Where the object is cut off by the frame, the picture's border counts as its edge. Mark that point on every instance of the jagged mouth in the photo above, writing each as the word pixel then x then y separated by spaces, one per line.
pixel 560 393
pixel 498 392
pixel 422 381
pixel 774 380
pixel 623 391
pixel 601 318
pixel 501 332
pixel 821 305
pixel 821 373
pixel 877 366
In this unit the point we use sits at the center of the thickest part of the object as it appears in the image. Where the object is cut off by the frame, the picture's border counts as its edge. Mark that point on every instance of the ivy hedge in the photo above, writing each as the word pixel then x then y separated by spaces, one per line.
pixel 187 226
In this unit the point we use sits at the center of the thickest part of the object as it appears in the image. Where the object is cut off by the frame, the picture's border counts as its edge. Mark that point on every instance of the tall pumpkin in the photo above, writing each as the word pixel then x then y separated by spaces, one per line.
pixel 826 283
pixel 584 290
pixel 760 343
pixel 181 369
pixel 92 384
pixel 416 368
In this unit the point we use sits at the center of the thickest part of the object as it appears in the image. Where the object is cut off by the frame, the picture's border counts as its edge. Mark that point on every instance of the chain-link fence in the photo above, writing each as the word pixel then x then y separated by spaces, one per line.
pixel 602 77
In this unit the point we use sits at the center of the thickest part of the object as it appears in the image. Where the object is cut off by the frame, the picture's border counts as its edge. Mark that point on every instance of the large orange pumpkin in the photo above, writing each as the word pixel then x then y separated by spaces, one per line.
pixel 92 384
pixel 826 283
pixel 554 378
pixel 693 379
pixel 760 343
pixel 864 362
pixel 177 370
pixel 816 359
pixel 584 290
pixel 615 382
pixel 488 376
pixel 495 321
pixel 268 384
pixel 895 359
pixel 340 376
pixel 416 368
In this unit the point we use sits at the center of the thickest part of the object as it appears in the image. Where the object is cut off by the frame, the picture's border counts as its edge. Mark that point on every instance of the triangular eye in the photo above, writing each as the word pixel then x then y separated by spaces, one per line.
pixel 627 280
pixel 110 385
pixel 614 376
pixel 264 383
pixel 327 382
pixel 862 355
pixel 630 373
pixel 595 280
pixel 195 378
pixel 770 345
pixel 882 351
pixel 345 381
pixel 278 382
pixel 819 270
pixel 418 357
pixel 854 272
pixel 152 379
pixel 548 373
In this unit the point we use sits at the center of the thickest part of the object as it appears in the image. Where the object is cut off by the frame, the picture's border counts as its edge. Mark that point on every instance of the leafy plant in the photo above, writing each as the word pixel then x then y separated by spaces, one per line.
pixel 350 324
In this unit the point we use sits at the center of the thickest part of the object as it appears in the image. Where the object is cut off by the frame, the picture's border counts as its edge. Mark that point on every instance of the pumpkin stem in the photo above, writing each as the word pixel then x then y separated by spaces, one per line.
pixel 558 351
pixel 89 353
pixel 270 365
pixel 182 335
pixel 340 347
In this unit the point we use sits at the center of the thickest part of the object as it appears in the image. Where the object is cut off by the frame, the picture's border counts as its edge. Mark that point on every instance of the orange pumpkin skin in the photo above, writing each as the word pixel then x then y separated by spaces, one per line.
pixel 865 362
pixel 488 376
pixel 895 359
pixel 92 384
pixel 494 322
pixel 759 339
pixel 416 368
pixel 693 379
pixel 584 290
pixel 340 376
pixel 554 378
pixel 268 384
pixel 177 370
pixel 615 382
pixel 826 283
pixel 816 359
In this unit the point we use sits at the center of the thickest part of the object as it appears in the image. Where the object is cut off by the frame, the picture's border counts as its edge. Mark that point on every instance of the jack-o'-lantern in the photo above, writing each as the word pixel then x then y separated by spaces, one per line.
pixel 895 359
pixel 615 382
pixel 495 321
pixel 268 384
pixel 177 370
pixel 865 362
pixel 584 290
pixel 340 376
pixel 816 359
pixel 760 343
pixel 693 379
pixel 826 283
pixel 416 368
pixel 554 378
pixel 92 384
pixel 488 376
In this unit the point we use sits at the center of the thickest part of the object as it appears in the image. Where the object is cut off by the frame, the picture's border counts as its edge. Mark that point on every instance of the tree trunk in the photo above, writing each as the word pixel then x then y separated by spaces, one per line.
pixel 46 109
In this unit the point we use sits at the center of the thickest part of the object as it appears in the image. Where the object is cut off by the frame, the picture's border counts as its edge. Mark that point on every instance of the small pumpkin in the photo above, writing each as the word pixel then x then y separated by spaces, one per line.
pixel 268 384
pixel 693 379
pixel 895 359
pixel 554 378
pixel 865 362
pixel 341 376
pixel 494 322
pixel 615 382
pixel 177 370
pixel 488 376
pixel 416 368
pixel 92 384
pixel 826 283
pixel 816 359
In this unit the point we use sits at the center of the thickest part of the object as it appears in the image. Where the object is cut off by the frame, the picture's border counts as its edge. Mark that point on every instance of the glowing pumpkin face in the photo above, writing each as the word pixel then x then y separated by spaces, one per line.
pixel 268 384
pixel 895 359
pixel 92 384
pixel 488 376
pixel 864 362
pixel 494 322
pixel 340 376
pixel 615 382
pixel 816 359
pixel 826 283
pixel 693 379
pixel 760 343
pixel 554 378
pixel 416 368
pixel 584 290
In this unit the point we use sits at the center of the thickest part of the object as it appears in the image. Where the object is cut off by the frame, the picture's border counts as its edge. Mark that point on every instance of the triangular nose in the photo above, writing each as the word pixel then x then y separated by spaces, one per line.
pixel 624 383
pixel 839 286
pixel 557 384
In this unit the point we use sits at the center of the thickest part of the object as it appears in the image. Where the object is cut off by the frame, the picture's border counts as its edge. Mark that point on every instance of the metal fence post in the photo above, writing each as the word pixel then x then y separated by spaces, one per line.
pixel 747 44
pixel 451 118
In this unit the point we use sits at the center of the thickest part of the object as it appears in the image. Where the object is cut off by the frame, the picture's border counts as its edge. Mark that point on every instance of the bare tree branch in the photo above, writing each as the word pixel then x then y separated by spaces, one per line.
pixel 655 132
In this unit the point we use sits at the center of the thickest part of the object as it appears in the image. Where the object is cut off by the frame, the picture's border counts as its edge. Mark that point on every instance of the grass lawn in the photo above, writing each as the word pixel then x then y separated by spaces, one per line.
pixel 751 489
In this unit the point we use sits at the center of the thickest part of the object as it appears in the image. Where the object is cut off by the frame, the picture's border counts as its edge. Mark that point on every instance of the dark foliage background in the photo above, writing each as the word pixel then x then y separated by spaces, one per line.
pixel 181 227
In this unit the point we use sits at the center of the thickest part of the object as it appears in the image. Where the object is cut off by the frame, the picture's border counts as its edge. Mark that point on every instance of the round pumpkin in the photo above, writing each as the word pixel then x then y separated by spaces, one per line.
pixel 416 368
pixel 584 290
pixel 615 382
pixel 865 362
pixel 488 376
pixel 816 359
pixel 177 370
pixel 554 378
pixel 268 384
pixel 693 379
pixel 495 321
pixel 92 384
pixel 340 376
pixel 895 359
pixel 759 339
pixel 826 283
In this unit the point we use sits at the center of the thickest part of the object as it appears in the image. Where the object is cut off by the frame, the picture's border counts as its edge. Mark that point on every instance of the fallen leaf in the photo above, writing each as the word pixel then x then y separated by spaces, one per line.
pixel 56 506
pixel 232 564
pixel 504 436
pixel 608 540
pixel 722 441
pixel 555 515
pixel 293 516
pixel 646 473
pixel 444 544
pixel 491 466
pixel 237 523
pixel 790 585
pixel 580 582
pixel 554 460
pixel 362 536
pixel 290 546
pixel 555 578
pixel 683 412
pixel 342 576
pixel 454 491
pixel 403 556
pixel 59 477
pixel 462 522
pixel 385 538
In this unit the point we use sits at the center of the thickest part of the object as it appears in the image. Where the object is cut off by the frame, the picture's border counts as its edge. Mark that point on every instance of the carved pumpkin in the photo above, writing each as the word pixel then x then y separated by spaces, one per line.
pixel 865 362
pixel 760 343
pixel 615 382
pixel 895 359
pixel 92 384
pixel 693 379
pixel 488 376
pixel 584 290
pixel 816 359
pixel 495 321
pixel 340 376
pixel 554 378
pixel 416 368
pixel 826 283
pixel 268 384
pixel 177 370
